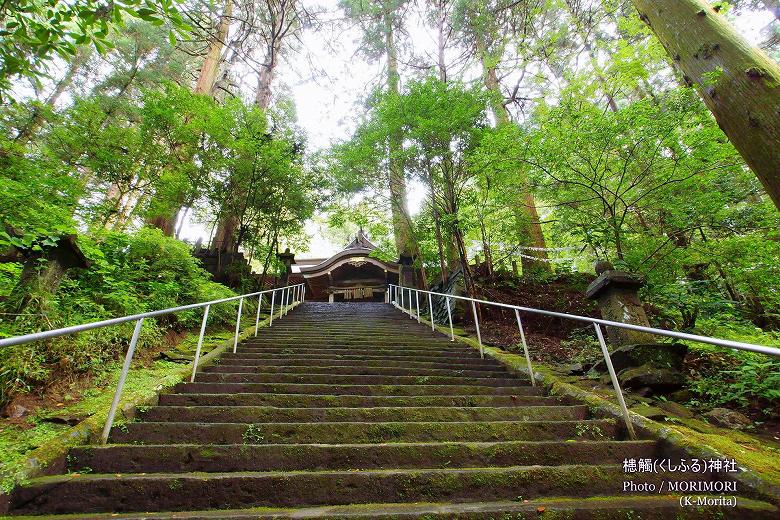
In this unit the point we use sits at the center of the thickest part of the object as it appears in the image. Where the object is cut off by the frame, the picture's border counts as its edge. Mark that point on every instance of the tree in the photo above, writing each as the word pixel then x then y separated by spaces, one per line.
pixel 32 32
pixel 381 21
pixel 484 26
pixel 738 83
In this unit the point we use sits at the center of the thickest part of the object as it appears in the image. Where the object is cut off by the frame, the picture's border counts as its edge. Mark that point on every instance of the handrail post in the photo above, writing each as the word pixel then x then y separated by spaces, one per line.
pixel 417 299
pixel 285 300
pixel 449 316
pixel 402 299
pixel 411 309
pixel 200 342
pixel 238 324
pixel 476 324
pixel 430 306
pixel 121 383
pixel 615 382
pixel 525 347
pixel 257 317
pixel 273 297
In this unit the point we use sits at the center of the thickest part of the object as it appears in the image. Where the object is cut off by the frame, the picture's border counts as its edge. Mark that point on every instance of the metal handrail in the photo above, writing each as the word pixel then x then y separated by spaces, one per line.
pixel 395 295
pixel 292 295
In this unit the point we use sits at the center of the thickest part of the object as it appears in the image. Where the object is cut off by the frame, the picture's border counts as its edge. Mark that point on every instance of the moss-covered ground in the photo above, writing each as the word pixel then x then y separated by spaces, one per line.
pixel 19 437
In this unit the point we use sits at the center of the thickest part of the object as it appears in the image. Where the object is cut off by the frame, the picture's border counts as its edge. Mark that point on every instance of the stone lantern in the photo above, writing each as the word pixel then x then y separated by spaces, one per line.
pixel 288 259
pixel 640 361
pixel 617 294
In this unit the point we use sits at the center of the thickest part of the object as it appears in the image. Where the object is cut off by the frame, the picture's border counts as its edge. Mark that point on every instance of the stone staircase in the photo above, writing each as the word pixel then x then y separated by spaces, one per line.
pixel 356 411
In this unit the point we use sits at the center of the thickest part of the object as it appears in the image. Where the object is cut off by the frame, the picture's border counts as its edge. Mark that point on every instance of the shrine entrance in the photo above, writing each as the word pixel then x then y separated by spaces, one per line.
pixel 350 275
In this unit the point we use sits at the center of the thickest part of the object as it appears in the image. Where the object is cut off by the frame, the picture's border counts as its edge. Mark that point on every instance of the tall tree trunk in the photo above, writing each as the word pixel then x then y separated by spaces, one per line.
pixel 738 83
pixel 205 85
pixel 529 230
pixel 266 76
pixel 226 238
pixel 437 227
pixel 405 241
pixel 210 66
pixel 441 23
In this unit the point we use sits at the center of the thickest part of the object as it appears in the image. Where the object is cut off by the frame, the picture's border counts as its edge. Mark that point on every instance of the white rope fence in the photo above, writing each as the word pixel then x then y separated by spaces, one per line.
pixel 518 251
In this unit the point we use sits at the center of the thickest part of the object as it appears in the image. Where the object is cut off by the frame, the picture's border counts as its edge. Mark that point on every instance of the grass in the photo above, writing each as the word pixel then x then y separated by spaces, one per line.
pixel 143 381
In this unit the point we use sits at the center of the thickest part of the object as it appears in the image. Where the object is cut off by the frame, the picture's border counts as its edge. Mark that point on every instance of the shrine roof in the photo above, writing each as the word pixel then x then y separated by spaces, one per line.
pixel 361 246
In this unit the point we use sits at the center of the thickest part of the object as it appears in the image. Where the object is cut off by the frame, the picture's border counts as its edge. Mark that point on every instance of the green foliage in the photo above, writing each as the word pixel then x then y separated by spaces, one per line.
pixel 129 274
pixel 34 32
pixel 738 379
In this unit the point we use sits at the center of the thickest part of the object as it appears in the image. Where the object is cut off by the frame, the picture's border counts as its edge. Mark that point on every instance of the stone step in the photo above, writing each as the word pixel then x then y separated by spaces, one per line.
pixel 407 330
pixel 430 358
pixel 356 389
pixel 365 371
pixel 327 339
pixel 266 414
pixel 361 433
pixel 215 377
pixel 661 507
pixel 176 492
pixel 471 365
pixel 397 350
pixel 366 347
pixel 403 331
pixel 185 458
pixel 352 401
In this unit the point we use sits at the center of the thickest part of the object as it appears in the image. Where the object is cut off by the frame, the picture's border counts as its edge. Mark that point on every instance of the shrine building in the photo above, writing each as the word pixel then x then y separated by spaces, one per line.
pixel 349 275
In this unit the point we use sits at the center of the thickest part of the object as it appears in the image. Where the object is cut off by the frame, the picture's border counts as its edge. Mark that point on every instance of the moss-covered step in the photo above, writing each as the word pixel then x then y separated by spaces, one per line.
pixel 180 491
pixel 381 342
pixel 553 508
pixel 262 414
pixel 324 401
pixel 214 377
pixel 361 433
pixel 471 364
pixel 373 349
pixel 356 389
pixel 319 339
pixel 353 356
pixel 186 458
pixel 356 371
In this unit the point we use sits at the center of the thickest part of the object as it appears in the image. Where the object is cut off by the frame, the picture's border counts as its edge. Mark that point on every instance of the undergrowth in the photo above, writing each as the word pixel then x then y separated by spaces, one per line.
pixel 129 274
pixel 143 381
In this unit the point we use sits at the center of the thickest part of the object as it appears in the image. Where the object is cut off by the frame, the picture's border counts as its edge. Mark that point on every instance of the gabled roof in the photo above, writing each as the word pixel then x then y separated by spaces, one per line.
pixel 360 246
pixel 361 242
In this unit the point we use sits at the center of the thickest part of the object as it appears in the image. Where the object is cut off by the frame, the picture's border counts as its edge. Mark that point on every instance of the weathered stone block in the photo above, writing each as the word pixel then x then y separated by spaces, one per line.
pixel 617 294
pixel 661 355
pixel 659 380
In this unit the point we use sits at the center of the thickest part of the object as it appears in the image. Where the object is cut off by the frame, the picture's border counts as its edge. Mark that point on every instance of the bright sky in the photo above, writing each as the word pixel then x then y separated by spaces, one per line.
pixel 328 79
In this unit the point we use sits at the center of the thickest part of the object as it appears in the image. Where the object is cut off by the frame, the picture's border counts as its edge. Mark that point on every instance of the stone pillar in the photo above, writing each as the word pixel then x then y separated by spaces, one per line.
pixel 406 277
pixel 617 293
pixel 288 259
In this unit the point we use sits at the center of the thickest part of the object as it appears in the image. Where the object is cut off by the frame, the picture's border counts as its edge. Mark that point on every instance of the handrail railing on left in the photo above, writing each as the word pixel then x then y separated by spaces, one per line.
pixel 291 296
